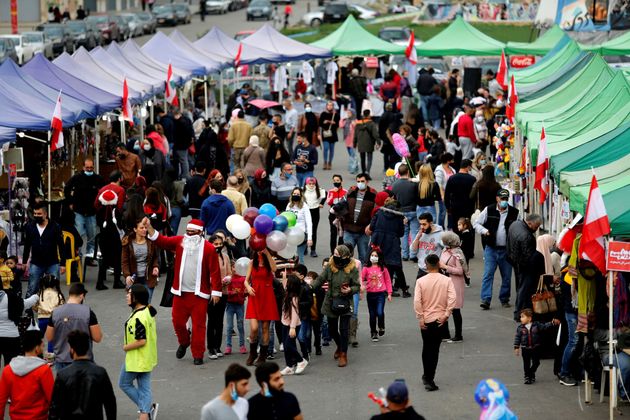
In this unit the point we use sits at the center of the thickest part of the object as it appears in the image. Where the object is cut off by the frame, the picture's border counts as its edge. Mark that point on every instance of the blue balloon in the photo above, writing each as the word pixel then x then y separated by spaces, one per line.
pixel 268 210
pixel 263 224
pixel 280 223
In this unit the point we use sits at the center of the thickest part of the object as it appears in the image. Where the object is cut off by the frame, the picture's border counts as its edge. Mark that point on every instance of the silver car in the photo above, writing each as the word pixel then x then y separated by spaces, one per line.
pixel 135 25
pixel 39 43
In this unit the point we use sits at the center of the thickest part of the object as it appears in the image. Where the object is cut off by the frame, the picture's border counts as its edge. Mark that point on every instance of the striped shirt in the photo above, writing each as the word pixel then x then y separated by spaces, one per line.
pixel 358 205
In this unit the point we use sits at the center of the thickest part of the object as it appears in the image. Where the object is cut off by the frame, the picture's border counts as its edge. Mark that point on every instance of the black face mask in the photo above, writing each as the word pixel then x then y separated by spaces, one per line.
pixel 218 249
pixel 341 262
pixel 296 197
pixel 337 184
pixel 39 220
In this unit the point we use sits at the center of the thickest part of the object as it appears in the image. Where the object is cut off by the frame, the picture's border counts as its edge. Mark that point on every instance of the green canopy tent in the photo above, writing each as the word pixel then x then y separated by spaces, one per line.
pixel 352 39
pixel 616 46
pixel 549 64
pixel 541 46
pixel 460 38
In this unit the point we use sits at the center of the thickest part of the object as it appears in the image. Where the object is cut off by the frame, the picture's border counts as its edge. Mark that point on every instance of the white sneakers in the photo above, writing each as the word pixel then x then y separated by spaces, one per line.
pixel 297 370
pixel 287 371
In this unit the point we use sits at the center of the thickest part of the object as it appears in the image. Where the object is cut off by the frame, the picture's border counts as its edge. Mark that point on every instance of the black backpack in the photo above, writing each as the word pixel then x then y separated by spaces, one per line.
pixel 305 301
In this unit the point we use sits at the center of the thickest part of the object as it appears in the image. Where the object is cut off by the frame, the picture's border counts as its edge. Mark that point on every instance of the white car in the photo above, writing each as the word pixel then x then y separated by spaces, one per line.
pixel 39 43
pixel 316 17
pixel 24 52
pixel 218 6
pixel 365 13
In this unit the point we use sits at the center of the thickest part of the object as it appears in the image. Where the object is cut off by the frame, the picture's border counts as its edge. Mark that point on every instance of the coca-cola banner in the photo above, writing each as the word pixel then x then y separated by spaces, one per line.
pixel 521 61
pixel 618 256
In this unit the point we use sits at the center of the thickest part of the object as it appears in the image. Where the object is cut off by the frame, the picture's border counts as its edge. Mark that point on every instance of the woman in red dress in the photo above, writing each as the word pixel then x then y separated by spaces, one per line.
pixel 261 305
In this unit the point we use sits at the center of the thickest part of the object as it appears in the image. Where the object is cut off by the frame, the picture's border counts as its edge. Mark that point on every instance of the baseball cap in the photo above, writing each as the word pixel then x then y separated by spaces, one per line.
pixel 77 289
pixel 397 392
pixel 503 193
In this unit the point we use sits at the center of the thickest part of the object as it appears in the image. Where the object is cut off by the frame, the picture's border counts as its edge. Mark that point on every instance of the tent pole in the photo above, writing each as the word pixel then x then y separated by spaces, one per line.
pixel 611 342
pixel 123 135
pixel 205 95
pixel 151 113
pixel 97 147
pixel 73 139
pixel 142 124
pixel 49 175
pixel 221 96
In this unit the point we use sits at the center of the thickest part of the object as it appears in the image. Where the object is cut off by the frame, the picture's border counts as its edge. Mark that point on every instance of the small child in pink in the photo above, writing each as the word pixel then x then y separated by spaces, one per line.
pixel 235 307
pixel 378 285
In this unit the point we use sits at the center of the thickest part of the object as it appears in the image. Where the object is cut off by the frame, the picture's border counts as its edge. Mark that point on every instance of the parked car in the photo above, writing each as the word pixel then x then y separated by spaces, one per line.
pixel 133 23
pixel 124 30
pixel 440 67
pixel 260 9
pixel 335 12
pixel 108 27
pixel 83 34
pixel 219 7
pixel 59 36
pixel 283 1
pixel 243 34
pixel 165 15
pixel 23 51
pixel 182 12
pixel 394 34
pixel 363 12
pixel 238 4
pixel 314 18
pixel 7 50
pixel 149 22
pixel 39 43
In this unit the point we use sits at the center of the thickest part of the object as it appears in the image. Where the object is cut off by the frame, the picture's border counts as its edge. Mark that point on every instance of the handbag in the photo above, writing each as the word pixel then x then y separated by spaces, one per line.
pixel 543 301
pixel 475 215
pixel 341 305
pixel 329 133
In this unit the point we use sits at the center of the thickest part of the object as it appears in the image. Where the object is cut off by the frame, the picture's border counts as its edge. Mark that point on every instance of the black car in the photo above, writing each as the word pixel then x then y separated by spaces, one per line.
pixel 83 34
pixel 336 12
pixel 165 15
pixel 60 37
pixel 7 50
pixel 260 9
pixel 149 23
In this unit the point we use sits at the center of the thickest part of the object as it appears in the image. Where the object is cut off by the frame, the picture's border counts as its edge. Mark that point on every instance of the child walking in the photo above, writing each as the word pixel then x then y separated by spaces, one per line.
pixel 291 327
pixel 453 262
pixel 527 341
pixel 316 311
pixel 467 237
pixel 235 307
pixel 378 285
pixel 50 297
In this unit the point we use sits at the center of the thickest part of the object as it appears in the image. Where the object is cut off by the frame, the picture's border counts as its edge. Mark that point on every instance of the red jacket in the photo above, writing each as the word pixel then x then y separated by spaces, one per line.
pixel 208 281
pixel 465 128
pixel 28 382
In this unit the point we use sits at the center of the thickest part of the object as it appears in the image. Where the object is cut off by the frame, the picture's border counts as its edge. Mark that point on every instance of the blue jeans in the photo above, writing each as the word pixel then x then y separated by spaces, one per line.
pixel 442 215
pixel 305 334
pixel 301 249
pixel 86 226
pixel 412 226
pixel 232 309
pixel 353 163
pixel 181 163
pixel 301 177
pixel 35 273
pixel 494 257
pixel 622 362
pixel 176 217
pixel 359 241
pixel 329 151
pixel 376 308
pixel 423 106
pixel 42 323
pixel 355 306
pixel 422 156
pixel 436 124
pixel 141 396
pixel 426 209
pixel 565 370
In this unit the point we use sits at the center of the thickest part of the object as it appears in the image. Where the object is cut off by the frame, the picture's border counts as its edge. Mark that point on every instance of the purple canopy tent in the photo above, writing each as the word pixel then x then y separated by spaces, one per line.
pixel 285 48
pixel 217 42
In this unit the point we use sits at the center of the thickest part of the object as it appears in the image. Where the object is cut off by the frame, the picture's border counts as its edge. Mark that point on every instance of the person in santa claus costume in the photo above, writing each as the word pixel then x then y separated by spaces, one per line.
pixel 196 280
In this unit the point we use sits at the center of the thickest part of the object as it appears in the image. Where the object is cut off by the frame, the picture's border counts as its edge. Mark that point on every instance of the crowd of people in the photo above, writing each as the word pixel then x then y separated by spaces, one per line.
pixel 427 212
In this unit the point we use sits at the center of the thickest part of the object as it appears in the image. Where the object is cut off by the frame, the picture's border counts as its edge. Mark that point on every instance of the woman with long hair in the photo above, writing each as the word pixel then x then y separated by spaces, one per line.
pixel 276 156
pixel 140 259
pixel 155 208
pixel 342 277
pixel 329 123
pixel 428 192
pixel 304 221
pixel 216 311
pixel 406 131
pixel 291 327
pixel 261 305
pixel 314 197
pixel 484 191
pixel 335 195
pixel 309 124
pixel 243 185
pixel 152 160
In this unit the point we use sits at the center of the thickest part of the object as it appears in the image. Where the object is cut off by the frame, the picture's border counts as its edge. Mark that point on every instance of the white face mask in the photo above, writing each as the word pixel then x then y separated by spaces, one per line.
pixel 310 187
pixel 147 147
pixel 361 185
pixel 374 259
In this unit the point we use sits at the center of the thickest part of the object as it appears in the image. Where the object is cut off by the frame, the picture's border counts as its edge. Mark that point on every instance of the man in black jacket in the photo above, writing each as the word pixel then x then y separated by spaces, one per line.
pixel 183 137
pixel 80 191
pixel 194 186
pixel 43 242
pixel 83 389
pixel 425 85
pixel 457 195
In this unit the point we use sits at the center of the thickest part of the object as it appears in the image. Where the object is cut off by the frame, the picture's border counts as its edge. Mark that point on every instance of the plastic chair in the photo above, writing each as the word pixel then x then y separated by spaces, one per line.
pixel 73 257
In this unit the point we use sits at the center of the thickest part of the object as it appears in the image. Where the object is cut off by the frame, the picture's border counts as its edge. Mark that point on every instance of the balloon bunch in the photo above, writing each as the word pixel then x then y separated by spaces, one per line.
pixel 267 228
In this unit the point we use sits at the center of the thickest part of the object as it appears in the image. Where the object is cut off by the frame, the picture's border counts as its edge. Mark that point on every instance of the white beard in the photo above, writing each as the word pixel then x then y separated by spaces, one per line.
pixel 191 243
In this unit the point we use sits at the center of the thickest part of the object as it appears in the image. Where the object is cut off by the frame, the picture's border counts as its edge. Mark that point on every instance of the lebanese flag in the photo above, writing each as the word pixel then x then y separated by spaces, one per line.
pixel 126 105
pixel 410 51
pixel 239 52
pixel 502 72
pixel 542 167
pixel 596 226
pixel 56 127
pixel 171 91
pixel 510 109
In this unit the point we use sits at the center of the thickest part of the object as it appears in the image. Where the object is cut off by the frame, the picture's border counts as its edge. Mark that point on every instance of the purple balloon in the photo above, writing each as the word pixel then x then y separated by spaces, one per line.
pixel 263 224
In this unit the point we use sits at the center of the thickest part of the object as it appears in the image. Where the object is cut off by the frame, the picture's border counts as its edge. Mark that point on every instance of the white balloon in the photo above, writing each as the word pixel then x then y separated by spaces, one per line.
pixel 241 265
pixel 289 252
pixel 241 229
pixel 276 240
pixel 231 221
pixel 295 236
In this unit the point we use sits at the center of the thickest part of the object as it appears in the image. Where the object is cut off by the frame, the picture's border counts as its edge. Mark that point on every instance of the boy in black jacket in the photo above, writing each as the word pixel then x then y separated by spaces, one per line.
pixel 527 340
pixel 305 302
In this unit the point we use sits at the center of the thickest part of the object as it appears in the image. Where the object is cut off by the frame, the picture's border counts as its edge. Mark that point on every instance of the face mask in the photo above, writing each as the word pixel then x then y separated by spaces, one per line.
pixel 136 147
pixel 310 187
pixel 240 180
pixel 482 162
pixel 479 119
pixel 218 249
pixel 503 204
pixel 361 185
pixel 147 147
pixel 428 230
pixel 374 259
pixel 307 109
pixel 287 175
pixel 88 173
pixel 39 220
pixel 337 184
pixel 233 393
pixel 296 198
pixel 340 261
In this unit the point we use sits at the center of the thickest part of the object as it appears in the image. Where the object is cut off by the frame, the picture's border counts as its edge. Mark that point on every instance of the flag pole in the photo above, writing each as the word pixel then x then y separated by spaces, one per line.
pixel 49 174
pixel 611 343
pixel 205 96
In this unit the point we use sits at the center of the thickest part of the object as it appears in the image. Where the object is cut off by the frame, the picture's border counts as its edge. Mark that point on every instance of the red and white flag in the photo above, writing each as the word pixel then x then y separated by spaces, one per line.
pixel 171 91
pixel 239 52
pixel 596 226
pixel 56 127
pixel 542 168
pixel 410 51
pixel 502 72
pixel 127 115
pixel 510 109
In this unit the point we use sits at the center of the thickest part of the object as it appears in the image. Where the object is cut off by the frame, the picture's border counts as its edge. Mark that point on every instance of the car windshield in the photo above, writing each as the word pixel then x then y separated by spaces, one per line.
pixel 53 31
pixel 144 16
pixel 127 18
pixel 163 9
pixel 259 3
pixel 76 27
pixel 180 7
pixel 98 19
pixel 393 34
pixel 33 38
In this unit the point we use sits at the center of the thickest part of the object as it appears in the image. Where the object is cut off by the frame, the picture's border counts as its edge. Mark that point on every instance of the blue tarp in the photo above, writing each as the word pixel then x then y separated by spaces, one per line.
pixel 134 52
pixel 217 42
pixel 40 98
pixel 109 62
pixel 286 48
pixel 47 73
pixel 163 49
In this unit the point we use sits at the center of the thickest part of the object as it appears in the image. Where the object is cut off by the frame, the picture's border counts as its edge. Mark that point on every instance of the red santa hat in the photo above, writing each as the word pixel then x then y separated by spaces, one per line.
pixel 194 224
pixel 108 198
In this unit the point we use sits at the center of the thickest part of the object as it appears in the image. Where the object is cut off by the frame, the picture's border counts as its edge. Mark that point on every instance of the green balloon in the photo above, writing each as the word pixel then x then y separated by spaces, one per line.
pixel 290 217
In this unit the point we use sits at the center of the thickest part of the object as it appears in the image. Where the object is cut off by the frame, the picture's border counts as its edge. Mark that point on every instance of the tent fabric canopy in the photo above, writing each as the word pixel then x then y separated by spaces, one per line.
pixel 7 135
pixel 153 71
pixel 182 42
pixel 109 62
pixel 285 48
pixel 217 42
pixel 161 48
pixel 134 52
pixel 352 39
pixel 541 46
pixel 616 46
pixel 460 38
